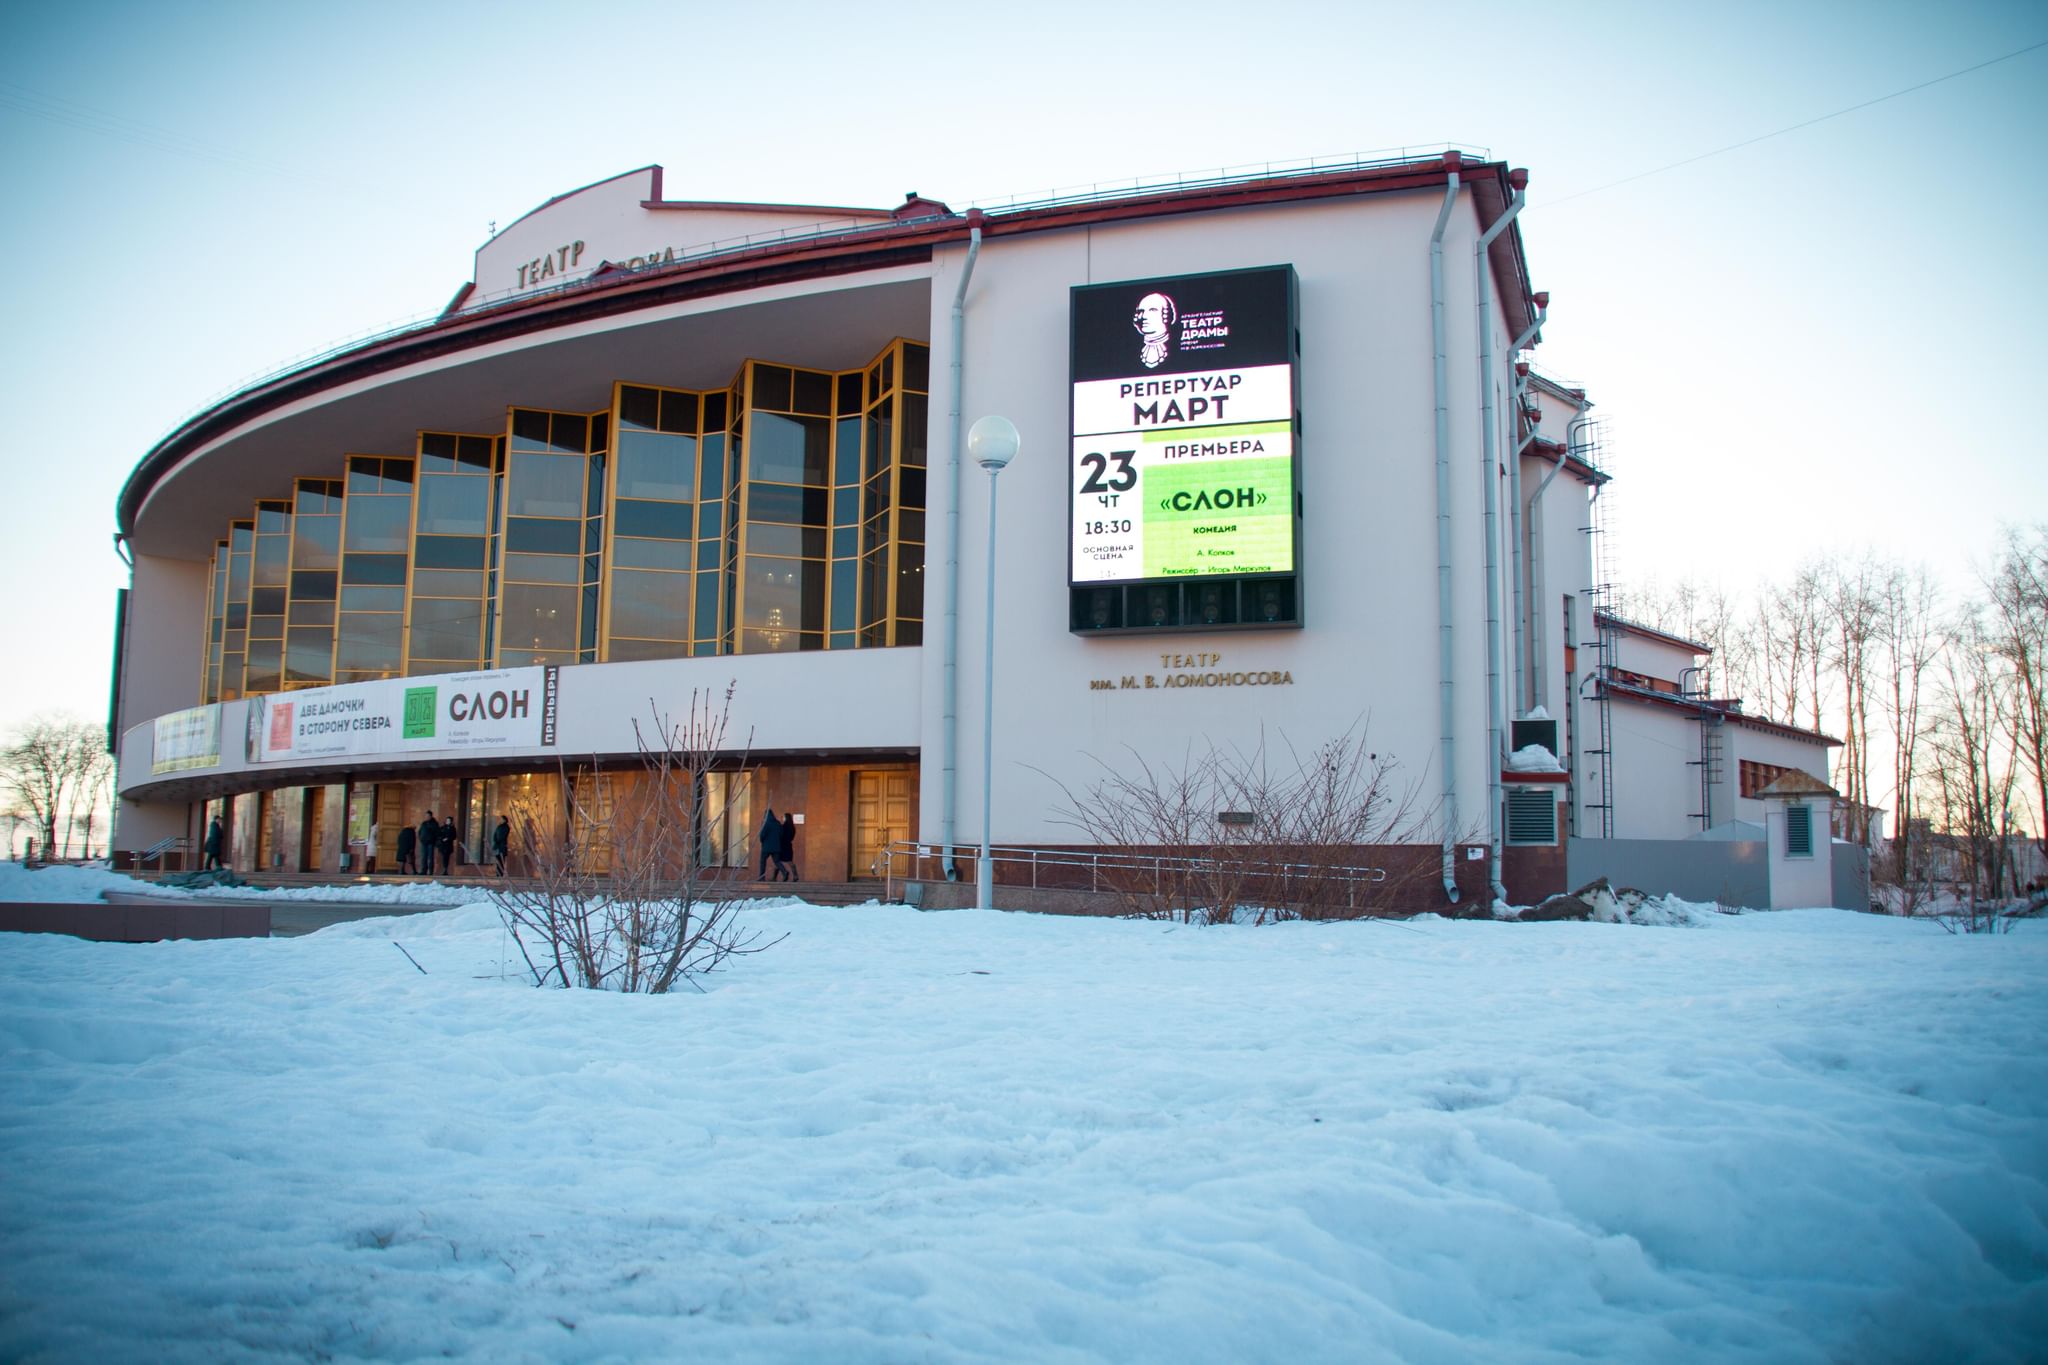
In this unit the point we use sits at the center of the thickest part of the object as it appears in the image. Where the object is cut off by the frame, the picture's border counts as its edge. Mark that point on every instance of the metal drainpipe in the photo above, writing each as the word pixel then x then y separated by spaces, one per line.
pixel 1517 560
pixel 1489 470
pixel 949 726
pixel 1446 692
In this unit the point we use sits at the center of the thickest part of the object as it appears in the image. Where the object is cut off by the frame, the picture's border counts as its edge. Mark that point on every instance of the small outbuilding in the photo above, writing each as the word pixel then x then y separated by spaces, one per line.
pixel 1800 845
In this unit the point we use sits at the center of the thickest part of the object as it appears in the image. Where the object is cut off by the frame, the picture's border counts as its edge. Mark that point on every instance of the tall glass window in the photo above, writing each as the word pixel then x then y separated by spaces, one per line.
pixel 216 623
pixel 653 547
pixel 376 529
pixel 315 583
pixel 269 573
pixel 235 621
pixel 553 537
pixel 454 526
pixel 787 509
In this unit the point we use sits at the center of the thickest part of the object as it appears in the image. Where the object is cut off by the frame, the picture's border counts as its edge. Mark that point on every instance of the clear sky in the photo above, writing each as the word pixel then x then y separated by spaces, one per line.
pixel 1823 340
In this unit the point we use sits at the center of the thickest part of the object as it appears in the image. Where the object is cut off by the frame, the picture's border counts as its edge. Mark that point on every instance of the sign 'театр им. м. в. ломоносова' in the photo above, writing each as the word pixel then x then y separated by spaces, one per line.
pixel 1183 427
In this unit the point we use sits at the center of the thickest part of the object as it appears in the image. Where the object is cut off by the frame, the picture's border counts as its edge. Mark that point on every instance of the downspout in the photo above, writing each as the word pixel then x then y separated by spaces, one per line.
pixel 1489 470
pixel 949 726
pixel 1446 694
pixel 1540 588
pixel 1517 397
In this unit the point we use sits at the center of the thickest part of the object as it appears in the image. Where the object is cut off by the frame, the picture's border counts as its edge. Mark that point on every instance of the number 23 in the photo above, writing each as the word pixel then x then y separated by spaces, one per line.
pixel 1125 477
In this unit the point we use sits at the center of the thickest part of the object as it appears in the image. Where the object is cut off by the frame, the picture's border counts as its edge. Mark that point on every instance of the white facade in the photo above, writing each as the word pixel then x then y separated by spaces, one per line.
pixel 1374 612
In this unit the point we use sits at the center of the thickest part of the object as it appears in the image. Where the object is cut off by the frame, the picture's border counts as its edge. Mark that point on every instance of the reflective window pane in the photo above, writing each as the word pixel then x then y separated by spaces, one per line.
pixel 454 506
pixel 651 554
pixel 546 485
pixel 446 629
pixel 538 618
pixel 650 605
pixel 380 524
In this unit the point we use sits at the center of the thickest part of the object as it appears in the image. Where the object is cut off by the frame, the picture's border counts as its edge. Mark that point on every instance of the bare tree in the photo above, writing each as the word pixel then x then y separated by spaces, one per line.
pixel 53 763
pixel 1972 769
pixel 2017 623
pixel 1277 832
pixel 613 895
pixel 1851 604
pixel 1909 639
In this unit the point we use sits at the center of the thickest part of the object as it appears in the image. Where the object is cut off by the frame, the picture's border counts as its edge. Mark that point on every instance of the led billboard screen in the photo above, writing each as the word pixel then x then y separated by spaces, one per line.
pixel 1183 426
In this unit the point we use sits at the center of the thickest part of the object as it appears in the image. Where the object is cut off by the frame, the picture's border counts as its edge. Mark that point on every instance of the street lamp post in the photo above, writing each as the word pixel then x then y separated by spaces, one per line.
pixel 991 442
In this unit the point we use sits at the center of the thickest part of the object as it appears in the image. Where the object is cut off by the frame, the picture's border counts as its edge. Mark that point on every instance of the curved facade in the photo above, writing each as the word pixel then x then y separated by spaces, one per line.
pixel 655 449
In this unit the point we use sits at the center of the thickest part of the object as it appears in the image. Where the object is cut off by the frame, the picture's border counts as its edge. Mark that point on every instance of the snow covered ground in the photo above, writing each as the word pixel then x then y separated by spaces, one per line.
pixel 1806 1136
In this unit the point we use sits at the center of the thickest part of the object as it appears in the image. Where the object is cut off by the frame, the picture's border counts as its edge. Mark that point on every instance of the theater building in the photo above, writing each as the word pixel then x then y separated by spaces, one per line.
pixel 1280 475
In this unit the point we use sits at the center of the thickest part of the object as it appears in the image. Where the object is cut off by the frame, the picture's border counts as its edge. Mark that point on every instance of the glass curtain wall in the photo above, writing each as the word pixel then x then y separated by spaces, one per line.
pixel 315 580
pixel 785 512
pixel 553 537
pixel 455 521
pixel 376 526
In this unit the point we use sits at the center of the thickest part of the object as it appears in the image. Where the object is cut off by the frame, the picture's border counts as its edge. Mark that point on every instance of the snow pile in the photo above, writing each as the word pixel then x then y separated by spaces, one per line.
pixel 69 884
pixel 66 884
pixel 413 892
pixel 1629 906
pixel 1804 1136
pixel 1534 758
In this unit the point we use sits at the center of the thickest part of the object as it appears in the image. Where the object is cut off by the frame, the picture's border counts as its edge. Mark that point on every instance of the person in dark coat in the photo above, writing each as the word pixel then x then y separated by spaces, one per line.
pixel 430 843
pixel 214 835
pixel 770 839
pixel 407 836
pixel 448 847
pixel 501 839
pixel 785 857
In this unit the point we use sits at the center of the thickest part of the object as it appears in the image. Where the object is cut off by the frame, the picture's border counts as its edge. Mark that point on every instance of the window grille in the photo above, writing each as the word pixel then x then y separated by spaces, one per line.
pixel 1532 816
pixel 1799 831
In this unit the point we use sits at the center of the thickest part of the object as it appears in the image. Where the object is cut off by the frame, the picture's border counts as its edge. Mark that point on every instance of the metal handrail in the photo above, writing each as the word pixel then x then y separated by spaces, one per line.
pixel 1097 862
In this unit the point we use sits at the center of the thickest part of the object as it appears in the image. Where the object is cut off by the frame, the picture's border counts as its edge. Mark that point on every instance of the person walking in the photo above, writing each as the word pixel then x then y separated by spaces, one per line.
pixel 448 842
pixel 785 857
pixel 370 852
pixel 214 837
pixel 407 836
pixel 770 840
pixel 501 839
pixel 430 843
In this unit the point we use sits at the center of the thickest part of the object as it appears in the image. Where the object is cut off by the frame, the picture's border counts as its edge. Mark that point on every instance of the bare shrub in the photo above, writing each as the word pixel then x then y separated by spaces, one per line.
pixel 613 896
pixel 1232 834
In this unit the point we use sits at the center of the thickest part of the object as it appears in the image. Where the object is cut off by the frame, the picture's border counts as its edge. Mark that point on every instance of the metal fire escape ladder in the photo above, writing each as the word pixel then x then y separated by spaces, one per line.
pixel 1606 640
pixel 1710 760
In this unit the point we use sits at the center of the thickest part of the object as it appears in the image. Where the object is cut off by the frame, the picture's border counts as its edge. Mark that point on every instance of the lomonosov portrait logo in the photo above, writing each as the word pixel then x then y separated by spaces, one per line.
pixel 1154 320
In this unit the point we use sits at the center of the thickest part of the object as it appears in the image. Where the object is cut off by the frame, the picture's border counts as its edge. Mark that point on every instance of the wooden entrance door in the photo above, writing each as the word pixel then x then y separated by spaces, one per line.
pixel 314 826
pixel 881 813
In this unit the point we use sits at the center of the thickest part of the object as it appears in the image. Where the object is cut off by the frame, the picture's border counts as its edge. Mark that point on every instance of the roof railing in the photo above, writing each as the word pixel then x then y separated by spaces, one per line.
pixel 698 253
